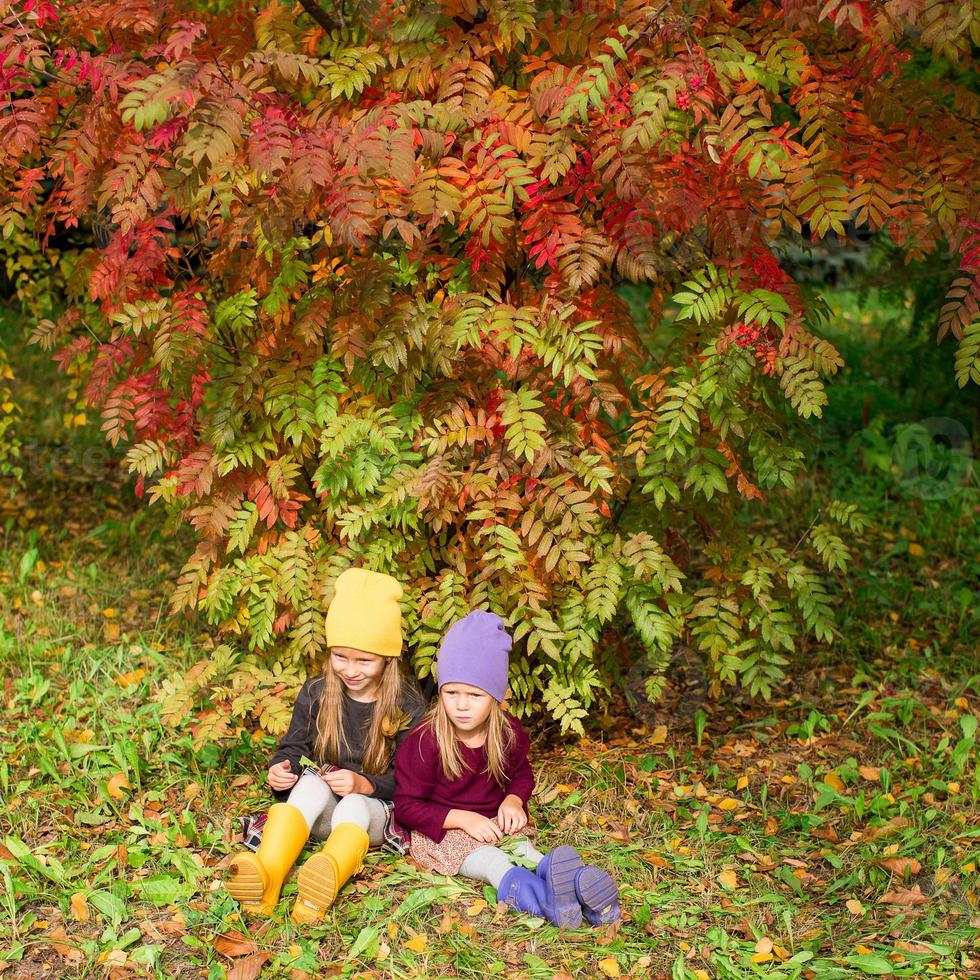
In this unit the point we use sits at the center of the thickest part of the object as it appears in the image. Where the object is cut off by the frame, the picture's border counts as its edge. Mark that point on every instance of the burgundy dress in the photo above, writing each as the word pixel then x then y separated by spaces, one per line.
pixel 424 795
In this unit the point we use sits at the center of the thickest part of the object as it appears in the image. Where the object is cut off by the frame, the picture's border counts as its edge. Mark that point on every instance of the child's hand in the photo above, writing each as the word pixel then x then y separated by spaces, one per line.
pixel 344 782
pixel 511 815
pixel 280 778
pixel 479 827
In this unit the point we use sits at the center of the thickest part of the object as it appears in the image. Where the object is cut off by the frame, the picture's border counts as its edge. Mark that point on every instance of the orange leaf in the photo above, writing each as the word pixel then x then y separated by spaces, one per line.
pixel 117 786
pixel 233 944
pixel 249 967
pixel 79 907
pixel 728 880
pixel 905 896
pixel 901 866
pixel 871 773
pixel 835 782
pixel 854 906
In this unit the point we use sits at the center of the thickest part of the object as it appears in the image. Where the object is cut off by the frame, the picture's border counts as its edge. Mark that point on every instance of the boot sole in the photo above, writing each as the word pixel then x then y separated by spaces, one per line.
pixel 245 883
pixel 598 896
pixel 317 881
pixel 565 865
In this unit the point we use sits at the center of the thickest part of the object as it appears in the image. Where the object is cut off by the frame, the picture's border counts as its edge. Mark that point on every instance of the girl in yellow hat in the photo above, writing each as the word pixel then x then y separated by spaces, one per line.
pixel 349 720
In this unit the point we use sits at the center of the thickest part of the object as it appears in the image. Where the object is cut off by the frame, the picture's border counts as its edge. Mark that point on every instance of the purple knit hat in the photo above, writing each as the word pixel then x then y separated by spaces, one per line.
pixel 474 651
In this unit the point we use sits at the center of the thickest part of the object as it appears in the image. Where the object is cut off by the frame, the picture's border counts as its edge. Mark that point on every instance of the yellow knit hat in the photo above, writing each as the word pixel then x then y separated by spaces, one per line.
pixel 364 614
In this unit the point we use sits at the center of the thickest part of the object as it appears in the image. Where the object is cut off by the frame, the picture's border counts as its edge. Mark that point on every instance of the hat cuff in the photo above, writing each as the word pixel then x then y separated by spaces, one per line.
pixel 358 641
pixel 497 694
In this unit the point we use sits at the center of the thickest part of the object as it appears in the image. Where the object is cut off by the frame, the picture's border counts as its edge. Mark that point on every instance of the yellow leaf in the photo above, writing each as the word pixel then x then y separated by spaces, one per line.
pixel 835 782
pixel 131 677
pixel 729 803
pixel 916 549
pixel 109 612
pixel 79 907
pixel 761 957
pixel 418 944
pixel 658 737
pixel 962 703
pixel 743 782
pixel 871 773
pixel 701 975
pixel 610 966
pixel 117 786
pixel 854 906
pixel 728 880
pixel 111 631
pixel 191 791
pixel 863 950
pixel 477 907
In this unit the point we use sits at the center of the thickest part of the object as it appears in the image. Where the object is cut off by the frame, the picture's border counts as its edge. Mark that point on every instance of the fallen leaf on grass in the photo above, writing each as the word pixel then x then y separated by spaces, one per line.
pixel 728 880
pixel 761 957
pixel 610 966
pixel 871 773
pixel 131 677
pixel 417 944
pixel 854 906
pixel 835 782
pixel 764 945
pixel 655 860
pixel 477 907
pixel 249 967
pixel 657 737
pixel 192 791
pixel 905 896
pixel 233 944
pixel 79 907
pixel 730 803
pixel 901 866
pixel 58 939
pixel 117 786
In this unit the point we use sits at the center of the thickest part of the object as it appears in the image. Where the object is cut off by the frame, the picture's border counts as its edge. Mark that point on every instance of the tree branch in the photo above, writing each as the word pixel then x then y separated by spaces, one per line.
pixel 319 15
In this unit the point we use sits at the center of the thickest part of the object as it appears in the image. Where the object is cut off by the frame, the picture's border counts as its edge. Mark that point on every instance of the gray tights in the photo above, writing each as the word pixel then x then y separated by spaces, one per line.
pixel 323 809
pixel 490 863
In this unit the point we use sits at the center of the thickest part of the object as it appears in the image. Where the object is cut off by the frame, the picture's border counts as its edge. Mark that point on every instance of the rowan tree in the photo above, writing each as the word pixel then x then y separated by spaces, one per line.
pixel 352 294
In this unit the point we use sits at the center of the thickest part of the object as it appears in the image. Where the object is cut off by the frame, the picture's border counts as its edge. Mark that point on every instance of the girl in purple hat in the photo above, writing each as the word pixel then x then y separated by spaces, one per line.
pixel 462 782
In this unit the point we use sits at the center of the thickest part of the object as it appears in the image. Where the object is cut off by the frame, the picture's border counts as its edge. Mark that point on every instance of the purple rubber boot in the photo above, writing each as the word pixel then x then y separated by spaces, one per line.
pixel 557 870
pixel 598 895
pixel 523 890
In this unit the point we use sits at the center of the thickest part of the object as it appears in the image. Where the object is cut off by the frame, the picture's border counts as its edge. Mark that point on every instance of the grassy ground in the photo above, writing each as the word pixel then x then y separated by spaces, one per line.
pixel 831 833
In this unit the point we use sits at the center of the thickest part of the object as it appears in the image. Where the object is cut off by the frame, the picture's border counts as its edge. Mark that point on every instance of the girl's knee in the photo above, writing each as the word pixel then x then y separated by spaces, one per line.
pixel 353 809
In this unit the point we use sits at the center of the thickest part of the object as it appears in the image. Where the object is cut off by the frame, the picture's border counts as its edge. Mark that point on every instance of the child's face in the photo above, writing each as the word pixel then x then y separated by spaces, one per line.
pixel 468 707
pixel 358 671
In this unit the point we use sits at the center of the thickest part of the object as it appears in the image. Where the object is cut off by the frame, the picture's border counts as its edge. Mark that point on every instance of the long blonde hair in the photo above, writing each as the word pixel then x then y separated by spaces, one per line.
pixel 500 740
pixel 387 720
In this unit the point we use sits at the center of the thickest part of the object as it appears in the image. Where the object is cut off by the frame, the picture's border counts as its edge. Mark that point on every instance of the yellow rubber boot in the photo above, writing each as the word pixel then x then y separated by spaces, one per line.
pixel 325 873
pixel 255 879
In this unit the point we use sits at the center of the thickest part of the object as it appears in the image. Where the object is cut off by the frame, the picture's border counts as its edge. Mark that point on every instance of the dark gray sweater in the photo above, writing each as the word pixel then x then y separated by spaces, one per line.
pixel 356 716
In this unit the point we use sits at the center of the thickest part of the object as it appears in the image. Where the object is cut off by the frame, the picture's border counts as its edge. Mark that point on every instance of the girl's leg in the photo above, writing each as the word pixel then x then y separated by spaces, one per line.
pixel 365 811
pixel 528 851
pixel 489 864
pixel 316 801
pixel 356 822
pixel 255 880
pixel 516 886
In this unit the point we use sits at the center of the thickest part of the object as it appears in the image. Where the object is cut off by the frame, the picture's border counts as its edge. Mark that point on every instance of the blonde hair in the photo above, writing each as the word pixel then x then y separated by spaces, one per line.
pixel 386 721
pixel 500 740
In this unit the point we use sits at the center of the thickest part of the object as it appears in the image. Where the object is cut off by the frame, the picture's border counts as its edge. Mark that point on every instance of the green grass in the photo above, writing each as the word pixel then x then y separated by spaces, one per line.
pixel 750 840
